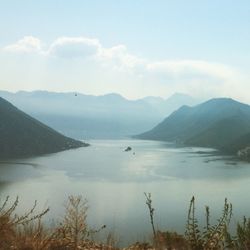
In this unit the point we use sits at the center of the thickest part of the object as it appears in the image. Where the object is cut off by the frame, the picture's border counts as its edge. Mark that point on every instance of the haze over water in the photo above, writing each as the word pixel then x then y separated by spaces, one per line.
pixel 113 182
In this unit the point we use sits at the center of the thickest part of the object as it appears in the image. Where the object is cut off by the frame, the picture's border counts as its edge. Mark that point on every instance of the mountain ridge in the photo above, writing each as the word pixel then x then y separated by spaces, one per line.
pixel 23 136
pixel 216 123
pixel 87 116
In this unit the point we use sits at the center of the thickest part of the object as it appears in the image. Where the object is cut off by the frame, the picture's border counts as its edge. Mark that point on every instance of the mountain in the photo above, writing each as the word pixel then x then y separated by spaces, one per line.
pixel 23 136
pixel 166 106
pixel 87 116
pixel 221 123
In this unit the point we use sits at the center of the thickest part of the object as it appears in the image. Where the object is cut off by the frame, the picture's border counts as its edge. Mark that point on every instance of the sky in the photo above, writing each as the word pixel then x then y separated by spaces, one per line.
pixel 135 48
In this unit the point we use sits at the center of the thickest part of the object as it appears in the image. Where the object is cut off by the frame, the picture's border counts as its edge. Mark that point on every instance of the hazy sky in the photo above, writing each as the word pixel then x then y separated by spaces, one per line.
pixel 132 47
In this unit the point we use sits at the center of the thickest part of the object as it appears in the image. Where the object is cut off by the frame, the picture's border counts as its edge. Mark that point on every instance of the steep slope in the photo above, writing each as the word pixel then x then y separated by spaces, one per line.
pixel 22 135
pixel 216 123
pixel 241 143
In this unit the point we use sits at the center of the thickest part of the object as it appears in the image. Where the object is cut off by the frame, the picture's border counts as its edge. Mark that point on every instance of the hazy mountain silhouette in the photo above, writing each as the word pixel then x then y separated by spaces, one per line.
pixel 23 136
pixel 220 123
pixel 87 116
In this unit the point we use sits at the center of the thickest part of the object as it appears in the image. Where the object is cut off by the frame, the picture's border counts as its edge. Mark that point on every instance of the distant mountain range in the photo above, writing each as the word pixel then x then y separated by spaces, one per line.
pixel 220 123
pixel 23 136
pixel 86 116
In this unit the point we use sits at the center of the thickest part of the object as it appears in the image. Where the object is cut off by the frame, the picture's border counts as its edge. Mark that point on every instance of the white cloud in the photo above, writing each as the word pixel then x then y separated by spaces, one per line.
pixel 28 44
pixel 119 69
pixel 191 69
pixel 120 57
pixel 71 47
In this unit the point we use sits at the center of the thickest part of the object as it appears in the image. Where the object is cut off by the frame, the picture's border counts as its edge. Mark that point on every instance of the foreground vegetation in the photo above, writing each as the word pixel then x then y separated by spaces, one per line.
pixel 28 232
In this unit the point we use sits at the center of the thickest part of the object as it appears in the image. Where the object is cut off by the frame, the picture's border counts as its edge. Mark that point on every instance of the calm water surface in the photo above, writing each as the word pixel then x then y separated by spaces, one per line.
pixel 113 181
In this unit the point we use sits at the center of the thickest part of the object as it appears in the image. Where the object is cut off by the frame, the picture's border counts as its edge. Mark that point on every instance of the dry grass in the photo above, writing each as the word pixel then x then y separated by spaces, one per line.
pixel 27 232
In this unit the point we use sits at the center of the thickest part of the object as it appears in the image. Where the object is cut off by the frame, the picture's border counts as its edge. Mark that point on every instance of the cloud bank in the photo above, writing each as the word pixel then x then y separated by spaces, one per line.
pixel 201 75
pixel 28 44
pixel 119 57
pixel 73 47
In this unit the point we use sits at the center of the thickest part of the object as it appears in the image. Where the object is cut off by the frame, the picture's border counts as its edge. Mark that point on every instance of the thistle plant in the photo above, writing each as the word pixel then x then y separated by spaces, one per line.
pixel 151 211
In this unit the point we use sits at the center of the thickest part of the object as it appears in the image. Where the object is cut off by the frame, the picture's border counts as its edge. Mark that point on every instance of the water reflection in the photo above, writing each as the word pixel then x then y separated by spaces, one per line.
pixel 114 182
pixel 4 184
pixel 12 171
